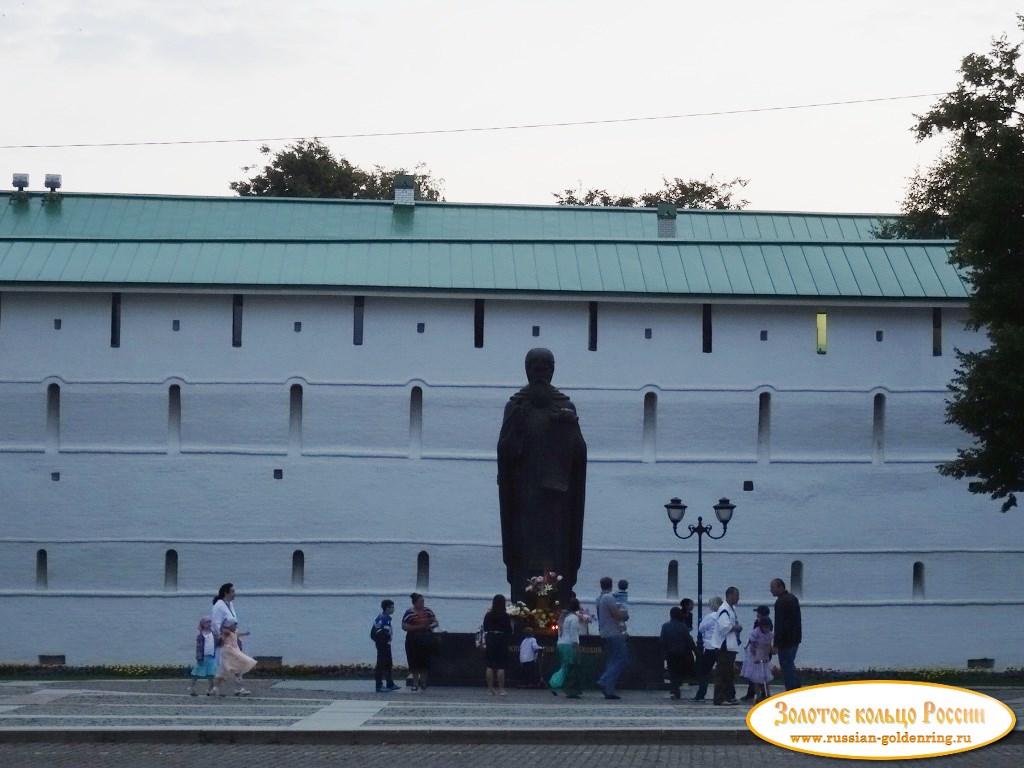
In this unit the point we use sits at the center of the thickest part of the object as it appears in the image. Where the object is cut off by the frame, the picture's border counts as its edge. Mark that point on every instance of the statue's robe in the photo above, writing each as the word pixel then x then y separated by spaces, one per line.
pixel 542 476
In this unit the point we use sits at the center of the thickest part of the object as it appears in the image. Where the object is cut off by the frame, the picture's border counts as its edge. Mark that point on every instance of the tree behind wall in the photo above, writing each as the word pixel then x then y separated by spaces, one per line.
pixel 308 168
pixel 975 194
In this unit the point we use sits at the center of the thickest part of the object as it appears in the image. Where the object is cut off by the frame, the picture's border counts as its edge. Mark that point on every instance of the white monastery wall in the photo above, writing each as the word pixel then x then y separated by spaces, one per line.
pixel 389 460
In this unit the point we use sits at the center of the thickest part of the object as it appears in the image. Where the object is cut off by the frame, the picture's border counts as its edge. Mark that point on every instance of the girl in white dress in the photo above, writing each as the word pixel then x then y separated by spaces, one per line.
pixel 233 662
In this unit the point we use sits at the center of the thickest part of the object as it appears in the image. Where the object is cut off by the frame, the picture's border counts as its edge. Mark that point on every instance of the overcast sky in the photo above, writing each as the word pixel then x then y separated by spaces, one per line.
pixel 84 71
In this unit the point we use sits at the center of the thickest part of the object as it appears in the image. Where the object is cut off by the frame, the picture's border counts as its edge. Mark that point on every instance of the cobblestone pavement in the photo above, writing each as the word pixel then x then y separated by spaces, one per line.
pixel 343 705
pixel 460 756
pixel 292 722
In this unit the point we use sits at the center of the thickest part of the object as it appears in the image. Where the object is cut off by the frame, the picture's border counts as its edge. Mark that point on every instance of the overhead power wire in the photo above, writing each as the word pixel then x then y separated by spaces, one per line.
pixel 478 129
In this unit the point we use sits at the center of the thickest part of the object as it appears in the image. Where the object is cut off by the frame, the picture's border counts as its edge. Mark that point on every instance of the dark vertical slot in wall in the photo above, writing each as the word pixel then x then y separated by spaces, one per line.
pixel 53 418
pixel 295 419
pixel 423 571
pixel 171 570
pixel 764 426
pixel 878 429
pixel 918 590
pixel 358 305
pixel 796 578
pixel 478 323
pixel 706 328
pixel 236 320
pixel 650 433
pixel 415 422
pixel 42 575
pixel 672 589
pixel 937 332
pixel 298 568
pixel 115 319
pixel 592 327
pixel 174 418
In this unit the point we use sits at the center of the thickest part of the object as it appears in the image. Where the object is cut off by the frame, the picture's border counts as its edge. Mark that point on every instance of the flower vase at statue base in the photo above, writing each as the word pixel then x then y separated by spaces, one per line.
pixel 540 608
pixel 545 616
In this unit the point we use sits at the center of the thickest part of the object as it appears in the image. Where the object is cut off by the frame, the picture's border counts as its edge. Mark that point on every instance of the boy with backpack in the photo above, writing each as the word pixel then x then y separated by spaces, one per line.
pixel 380 633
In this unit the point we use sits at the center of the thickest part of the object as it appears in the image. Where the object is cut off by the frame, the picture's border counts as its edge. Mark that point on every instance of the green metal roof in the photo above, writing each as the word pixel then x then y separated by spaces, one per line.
pixel 121 240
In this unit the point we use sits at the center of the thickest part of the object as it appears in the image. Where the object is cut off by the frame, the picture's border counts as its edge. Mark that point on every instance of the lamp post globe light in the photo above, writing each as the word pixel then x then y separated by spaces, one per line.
pixel 723 511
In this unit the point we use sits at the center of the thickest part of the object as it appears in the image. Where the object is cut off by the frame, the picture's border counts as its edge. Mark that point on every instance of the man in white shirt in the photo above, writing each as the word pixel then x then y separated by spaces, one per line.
pixel 726 639
pixel 707 654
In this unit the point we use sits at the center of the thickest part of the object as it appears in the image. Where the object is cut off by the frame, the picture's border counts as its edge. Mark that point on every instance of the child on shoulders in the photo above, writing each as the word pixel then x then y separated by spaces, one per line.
pixel 622 598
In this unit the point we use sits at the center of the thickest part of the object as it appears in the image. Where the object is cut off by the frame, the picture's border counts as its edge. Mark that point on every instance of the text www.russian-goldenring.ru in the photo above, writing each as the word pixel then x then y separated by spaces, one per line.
pixel 885 740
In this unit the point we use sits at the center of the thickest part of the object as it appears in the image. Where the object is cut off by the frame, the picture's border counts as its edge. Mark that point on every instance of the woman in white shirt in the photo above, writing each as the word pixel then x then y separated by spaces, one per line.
pixel 224 611
pixel 568 675
pixel 223 607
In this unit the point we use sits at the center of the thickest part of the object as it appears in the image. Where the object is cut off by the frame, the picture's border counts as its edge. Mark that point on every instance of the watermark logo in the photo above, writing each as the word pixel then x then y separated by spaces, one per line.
pixel 881 720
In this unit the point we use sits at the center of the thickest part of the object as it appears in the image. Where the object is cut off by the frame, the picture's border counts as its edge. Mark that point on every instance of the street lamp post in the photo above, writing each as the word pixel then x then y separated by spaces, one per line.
pixel 723 511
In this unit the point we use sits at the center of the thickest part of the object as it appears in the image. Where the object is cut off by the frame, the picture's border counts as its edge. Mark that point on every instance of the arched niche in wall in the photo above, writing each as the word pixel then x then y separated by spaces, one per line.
pixel 174 416
pixel 298 568
pixel 416 422
pixel 171 570
pixel 764 427
pixel 878 428
pixel 650 435
pixel 42 569
pixel 796 578
pixel 672 588
pixel 423 570
pixel 295 395
pixel 53 417
pixel 918 588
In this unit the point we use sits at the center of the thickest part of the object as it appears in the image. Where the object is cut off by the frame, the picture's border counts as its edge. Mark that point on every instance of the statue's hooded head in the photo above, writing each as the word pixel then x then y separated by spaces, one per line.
pixel 540 365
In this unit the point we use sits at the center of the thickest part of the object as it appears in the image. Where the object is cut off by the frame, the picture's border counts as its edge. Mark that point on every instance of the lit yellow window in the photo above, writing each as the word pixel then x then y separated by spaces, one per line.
pixel 822 338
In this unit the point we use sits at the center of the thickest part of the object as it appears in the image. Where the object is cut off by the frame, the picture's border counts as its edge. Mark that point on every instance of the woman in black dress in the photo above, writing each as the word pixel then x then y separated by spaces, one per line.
pixel 497 635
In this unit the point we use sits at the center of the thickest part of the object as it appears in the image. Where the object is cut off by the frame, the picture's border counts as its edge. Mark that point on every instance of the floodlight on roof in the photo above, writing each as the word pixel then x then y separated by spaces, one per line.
pixel 20 181
pixel 52 182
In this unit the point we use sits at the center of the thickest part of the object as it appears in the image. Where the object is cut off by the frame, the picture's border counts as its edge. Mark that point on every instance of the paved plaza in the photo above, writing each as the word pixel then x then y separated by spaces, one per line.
pixel 343 722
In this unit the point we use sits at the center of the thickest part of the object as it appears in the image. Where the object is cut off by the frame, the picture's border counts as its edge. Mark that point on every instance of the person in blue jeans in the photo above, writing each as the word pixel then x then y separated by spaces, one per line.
pixel 611 618
pixel 382 640
pixel 788 632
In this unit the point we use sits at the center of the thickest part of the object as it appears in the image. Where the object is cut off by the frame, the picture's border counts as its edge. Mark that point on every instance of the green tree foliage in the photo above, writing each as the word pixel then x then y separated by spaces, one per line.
pixel 975 194
pixel 308 168
pixel 683 193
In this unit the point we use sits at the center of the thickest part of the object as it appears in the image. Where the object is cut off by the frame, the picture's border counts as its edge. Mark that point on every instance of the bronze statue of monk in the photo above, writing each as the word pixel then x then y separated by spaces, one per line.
pixel 542 477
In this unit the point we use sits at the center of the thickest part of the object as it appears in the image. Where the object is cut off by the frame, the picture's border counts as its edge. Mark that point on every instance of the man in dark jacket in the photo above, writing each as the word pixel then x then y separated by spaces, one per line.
pixel 787 632
pixel 678 645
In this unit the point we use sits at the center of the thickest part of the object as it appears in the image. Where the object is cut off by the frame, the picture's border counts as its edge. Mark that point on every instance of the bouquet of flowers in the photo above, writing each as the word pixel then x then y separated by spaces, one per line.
pixel 545 610
pixel 544 584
